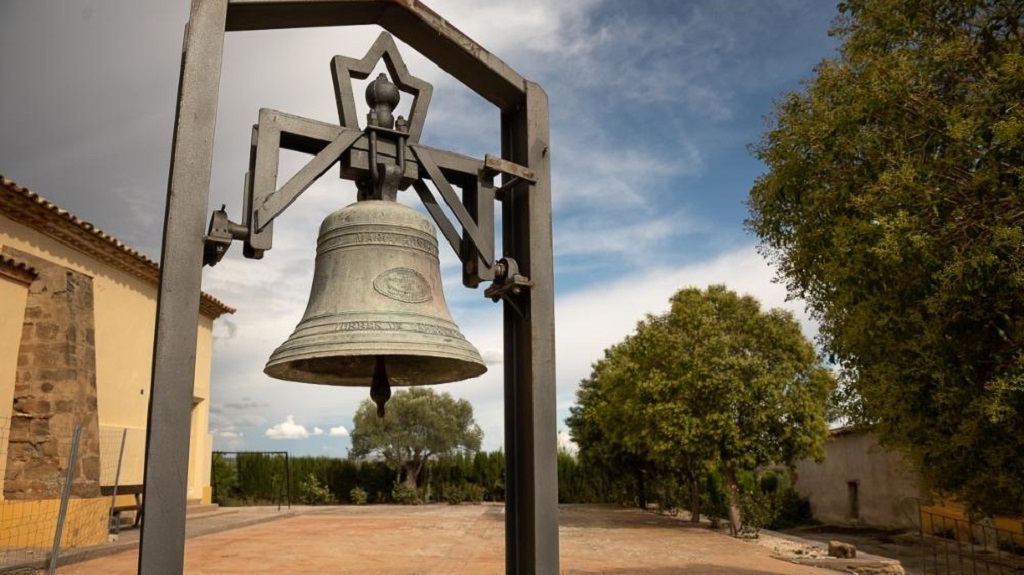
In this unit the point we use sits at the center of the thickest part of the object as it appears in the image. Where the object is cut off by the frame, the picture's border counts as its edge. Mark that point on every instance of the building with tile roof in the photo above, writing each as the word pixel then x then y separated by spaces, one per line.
pixel 77 319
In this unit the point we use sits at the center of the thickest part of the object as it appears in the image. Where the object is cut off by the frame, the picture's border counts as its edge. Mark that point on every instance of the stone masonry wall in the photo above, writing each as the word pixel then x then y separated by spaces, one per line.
pixel 55 387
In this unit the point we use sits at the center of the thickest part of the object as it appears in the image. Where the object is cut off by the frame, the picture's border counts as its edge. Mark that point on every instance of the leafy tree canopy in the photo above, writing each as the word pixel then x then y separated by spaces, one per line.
pixel 420 424
pixel 714 381
pixel 893 204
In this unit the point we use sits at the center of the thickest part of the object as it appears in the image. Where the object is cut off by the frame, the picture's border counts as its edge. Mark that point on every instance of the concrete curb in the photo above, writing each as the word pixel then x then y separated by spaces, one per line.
pixel 863 564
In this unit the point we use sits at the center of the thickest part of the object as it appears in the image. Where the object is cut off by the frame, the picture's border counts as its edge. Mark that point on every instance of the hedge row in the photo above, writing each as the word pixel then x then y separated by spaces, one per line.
pixel 263 478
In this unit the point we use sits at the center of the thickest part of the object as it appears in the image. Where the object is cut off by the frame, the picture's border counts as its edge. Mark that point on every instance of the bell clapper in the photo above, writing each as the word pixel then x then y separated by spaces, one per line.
pixel 380 387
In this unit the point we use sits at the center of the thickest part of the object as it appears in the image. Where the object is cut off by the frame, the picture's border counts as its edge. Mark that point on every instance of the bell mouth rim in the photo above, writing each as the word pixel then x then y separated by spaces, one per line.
pixel 404 369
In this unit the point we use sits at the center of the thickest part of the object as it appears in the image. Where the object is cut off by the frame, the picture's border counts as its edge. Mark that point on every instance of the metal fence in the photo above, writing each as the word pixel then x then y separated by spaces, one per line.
pixel 34 529
pixel 956 546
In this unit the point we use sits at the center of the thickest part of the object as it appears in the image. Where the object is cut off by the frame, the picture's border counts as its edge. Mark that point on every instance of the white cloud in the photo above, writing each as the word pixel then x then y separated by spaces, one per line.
pixel 228 438
pixel 287 429
pixel 590 320
pixel 318 431
pixel 492 355
pixel 565 443
pixel 605 235
pixel 339 431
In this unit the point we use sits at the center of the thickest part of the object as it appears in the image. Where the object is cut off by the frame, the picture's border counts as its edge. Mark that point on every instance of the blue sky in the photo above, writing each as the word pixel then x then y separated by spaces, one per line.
pixel 653 107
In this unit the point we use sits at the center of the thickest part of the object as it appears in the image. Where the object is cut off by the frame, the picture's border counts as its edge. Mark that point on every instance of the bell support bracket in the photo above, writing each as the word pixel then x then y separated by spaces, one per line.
pixel 381 158
pixel 530 407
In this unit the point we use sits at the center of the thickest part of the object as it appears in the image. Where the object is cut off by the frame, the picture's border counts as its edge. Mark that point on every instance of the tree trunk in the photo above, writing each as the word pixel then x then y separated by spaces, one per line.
pixel 733 492
pixel 694 498
pixel 412 470
pixel 641 490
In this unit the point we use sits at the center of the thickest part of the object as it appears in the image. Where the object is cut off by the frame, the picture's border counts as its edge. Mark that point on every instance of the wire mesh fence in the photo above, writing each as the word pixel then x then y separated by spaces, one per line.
pixel 51 500
pixel 953 545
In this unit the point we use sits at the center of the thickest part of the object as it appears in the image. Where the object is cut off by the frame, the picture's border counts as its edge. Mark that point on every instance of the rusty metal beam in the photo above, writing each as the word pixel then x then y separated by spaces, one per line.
pixel 411 21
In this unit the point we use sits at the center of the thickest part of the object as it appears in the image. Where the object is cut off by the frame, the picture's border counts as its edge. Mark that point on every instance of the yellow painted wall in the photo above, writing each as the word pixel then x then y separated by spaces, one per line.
pixel 949 518
pixel 202 442
pixel 31 524
pixel 13 296
pixel 125 315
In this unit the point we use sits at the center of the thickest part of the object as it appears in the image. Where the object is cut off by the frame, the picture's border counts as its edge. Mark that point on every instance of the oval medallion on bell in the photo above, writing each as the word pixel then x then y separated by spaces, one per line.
pixel 376 308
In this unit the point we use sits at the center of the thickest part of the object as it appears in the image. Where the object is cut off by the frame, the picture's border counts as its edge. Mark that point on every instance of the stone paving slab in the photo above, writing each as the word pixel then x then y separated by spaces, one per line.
pixel 458 540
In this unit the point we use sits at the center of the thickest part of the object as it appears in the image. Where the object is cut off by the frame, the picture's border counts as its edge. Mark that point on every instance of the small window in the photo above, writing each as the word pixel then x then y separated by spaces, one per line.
pixel 854 499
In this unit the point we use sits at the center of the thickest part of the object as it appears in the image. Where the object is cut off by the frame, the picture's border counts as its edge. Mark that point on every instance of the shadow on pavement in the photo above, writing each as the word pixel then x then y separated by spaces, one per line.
pixel 619 517
pixel 691 569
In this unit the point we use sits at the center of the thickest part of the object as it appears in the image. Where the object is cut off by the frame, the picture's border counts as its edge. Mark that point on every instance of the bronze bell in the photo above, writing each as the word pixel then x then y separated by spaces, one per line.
pixel 376 314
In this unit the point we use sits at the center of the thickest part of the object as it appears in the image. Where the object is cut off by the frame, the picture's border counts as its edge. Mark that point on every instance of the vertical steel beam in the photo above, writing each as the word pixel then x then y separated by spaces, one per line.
pixel 530 432
pixel 531 477
pixel 162 547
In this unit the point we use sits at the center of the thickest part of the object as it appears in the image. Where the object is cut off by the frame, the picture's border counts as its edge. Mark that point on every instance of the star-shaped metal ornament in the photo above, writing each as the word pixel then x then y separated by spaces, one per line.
pixel 382 157
pixel 344 69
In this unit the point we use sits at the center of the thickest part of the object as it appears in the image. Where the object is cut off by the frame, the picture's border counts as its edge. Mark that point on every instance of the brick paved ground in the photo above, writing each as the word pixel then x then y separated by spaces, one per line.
pixel 457 540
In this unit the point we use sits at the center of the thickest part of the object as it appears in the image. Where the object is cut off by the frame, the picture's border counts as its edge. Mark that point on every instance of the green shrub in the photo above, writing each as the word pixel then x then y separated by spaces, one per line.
pixel 452 493
pixel 755 511
pixel 404 495
pixel 713 499
pixel 792 510
pixel 358 496
pixel 224 481
pixel 312 492
pixel 769 483
pixel 474 493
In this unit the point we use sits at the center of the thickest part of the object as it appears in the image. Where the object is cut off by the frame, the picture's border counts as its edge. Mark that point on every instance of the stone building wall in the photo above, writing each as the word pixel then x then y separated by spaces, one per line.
pixel 860 484
pixel 55 387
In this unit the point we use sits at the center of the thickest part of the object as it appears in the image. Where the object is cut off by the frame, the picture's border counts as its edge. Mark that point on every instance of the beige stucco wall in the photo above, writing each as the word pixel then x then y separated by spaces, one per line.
pixel 12 295
pixel 202 441
pixel 884 482
pixel 124 315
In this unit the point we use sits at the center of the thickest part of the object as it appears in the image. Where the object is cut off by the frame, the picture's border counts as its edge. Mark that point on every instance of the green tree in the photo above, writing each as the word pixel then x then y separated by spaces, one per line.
pixel 714 382
pixel 223 479
pixel 419 424
pixel 592 426
pixel 893 205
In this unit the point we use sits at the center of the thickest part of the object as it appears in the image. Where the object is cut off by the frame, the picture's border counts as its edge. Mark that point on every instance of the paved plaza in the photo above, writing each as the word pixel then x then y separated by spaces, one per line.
pixel 450 540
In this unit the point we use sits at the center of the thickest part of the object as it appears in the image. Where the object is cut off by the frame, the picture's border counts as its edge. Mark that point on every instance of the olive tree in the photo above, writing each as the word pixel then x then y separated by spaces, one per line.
pixel 420 424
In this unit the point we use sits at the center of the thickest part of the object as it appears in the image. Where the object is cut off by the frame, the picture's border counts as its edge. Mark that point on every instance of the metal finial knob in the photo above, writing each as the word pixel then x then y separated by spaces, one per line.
pixel 382 96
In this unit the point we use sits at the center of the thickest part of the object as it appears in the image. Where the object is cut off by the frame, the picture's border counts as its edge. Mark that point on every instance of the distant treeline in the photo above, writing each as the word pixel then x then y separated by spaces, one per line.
pixel 269 478
pixel 272 478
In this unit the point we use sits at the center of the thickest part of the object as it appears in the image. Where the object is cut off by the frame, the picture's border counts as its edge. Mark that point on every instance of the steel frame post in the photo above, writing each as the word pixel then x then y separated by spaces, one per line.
pixel 162 543
pixel 530 418
pixel 531 478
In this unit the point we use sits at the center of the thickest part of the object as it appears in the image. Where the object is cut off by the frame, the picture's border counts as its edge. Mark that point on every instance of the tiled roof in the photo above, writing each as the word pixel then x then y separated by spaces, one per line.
pixel 30 209
pixel 15 270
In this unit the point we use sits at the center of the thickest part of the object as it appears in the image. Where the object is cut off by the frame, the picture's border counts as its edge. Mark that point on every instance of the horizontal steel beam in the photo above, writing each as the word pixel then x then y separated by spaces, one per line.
pixel 415 24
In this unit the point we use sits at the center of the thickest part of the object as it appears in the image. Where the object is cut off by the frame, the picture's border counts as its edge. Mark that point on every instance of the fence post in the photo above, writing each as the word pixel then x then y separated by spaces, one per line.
pixel 288 479
pixel 64 496
pixel 111 528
